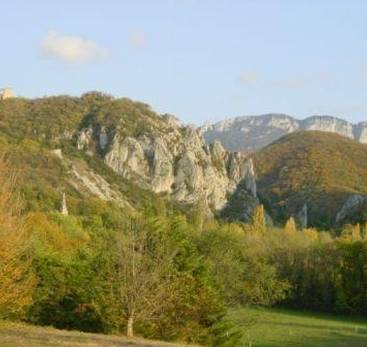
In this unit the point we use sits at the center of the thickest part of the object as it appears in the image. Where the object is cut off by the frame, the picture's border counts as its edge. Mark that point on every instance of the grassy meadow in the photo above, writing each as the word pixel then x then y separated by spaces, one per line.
pixel 286 328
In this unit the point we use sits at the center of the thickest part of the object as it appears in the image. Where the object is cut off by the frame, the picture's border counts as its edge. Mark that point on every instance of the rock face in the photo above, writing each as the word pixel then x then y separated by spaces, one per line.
pixel 177 162
pixel 351 205
pixel 302 217
pixel 63 207
pixel 251 133
pixel 250 182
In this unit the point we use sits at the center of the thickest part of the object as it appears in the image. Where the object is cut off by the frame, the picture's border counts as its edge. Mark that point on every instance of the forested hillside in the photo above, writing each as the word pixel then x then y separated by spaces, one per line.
pixel 319 169
pixel 153 151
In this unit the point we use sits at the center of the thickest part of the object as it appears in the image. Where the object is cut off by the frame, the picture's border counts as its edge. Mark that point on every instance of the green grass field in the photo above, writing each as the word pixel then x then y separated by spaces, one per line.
pixel 260 327
pixel 285 328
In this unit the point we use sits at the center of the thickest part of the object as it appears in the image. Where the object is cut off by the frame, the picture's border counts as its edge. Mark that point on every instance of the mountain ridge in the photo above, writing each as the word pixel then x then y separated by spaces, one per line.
pixel 122 152
pixel 152 151
pixel 251 133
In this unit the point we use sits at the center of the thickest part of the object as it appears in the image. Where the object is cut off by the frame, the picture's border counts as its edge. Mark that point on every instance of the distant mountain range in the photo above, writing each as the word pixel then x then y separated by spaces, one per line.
pixel 250 133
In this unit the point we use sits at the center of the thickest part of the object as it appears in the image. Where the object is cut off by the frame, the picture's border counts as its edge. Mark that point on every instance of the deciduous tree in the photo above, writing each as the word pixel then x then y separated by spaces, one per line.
pixel 144 271
pixel 15 281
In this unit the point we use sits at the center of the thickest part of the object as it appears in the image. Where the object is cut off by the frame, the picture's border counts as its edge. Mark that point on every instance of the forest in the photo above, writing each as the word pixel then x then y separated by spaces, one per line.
pixel 161 273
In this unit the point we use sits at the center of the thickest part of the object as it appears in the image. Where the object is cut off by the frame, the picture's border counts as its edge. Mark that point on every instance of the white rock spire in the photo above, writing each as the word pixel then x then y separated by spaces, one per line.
pixel 63 207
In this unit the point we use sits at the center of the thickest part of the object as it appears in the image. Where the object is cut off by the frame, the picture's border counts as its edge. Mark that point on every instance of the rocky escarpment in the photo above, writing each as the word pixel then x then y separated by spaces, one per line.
pixel 145 149
pixel 351 206
pixel 174 161
pixel 255 132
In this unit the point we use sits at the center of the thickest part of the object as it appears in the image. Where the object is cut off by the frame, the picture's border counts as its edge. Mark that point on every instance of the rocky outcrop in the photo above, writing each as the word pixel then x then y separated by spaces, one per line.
pixel 126 156
pixel 85 137
pixel 302 217
pixel 251 133
pixel 351 205
pixel 63 207
pixel 360 132
pixel 249 177
pixel 84 179
pixel 176 162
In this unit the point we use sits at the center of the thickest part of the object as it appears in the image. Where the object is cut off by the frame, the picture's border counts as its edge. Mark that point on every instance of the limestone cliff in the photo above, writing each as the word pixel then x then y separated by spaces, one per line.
pixel 171 159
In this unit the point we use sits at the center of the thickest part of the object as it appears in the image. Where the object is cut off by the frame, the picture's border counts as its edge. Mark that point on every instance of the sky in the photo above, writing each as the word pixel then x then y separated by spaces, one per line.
pixel 201 60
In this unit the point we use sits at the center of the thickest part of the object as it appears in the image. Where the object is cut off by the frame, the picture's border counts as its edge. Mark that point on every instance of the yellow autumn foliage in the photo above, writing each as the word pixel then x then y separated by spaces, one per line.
pixel 16 283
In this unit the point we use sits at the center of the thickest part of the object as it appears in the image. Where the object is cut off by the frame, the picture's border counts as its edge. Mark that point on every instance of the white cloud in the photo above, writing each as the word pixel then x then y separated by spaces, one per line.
pixel 71 49
pixel 138 39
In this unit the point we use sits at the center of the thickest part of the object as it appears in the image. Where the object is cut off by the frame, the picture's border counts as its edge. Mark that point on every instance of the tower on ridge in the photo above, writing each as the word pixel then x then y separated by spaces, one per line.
pixel 6 93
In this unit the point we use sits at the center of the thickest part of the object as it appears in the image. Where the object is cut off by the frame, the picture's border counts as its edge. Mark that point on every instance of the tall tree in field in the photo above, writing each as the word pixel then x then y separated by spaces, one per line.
pixel 144 271
pixel 258 222
pixel 290 226
pixel 15 282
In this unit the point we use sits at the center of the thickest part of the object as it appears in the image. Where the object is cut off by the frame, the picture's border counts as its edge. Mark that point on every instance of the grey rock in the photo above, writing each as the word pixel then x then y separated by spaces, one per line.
pixel 63 207
pixel 126 157
pixel 175 161
pixel 84 138
pixel 249 177
pixel 103 138
pixel 302 217
pixel 351 205
pixel 250 133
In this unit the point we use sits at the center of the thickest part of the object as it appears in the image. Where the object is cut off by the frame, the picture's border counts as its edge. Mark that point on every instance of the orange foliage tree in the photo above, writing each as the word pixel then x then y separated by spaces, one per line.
pixel 16 282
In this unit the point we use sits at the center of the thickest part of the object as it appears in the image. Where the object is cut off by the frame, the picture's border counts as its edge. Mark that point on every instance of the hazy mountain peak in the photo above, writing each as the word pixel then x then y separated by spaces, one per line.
pixel 250 133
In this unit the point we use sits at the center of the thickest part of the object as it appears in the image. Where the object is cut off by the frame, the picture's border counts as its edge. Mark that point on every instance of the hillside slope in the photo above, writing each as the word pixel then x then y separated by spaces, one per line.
pixel 321 170
pixel 286 328
pixel 24 335
pixel 153 152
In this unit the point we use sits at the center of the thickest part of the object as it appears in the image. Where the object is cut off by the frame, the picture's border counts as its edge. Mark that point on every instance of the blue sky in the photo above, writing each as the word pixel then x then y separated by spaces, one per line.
pixel 198 59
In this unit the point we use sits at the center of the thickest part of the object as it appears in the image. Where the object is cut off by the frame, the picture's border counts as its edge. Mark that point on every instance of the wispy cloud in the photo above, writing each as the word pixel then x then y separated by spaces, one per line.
pixel 71 49
pixel 138 39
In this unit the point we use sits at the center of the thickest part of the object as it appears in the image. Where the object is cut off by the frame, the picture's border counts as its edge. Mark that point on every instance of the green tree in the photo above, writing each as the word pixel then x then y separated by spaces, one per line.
pixel 143 272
